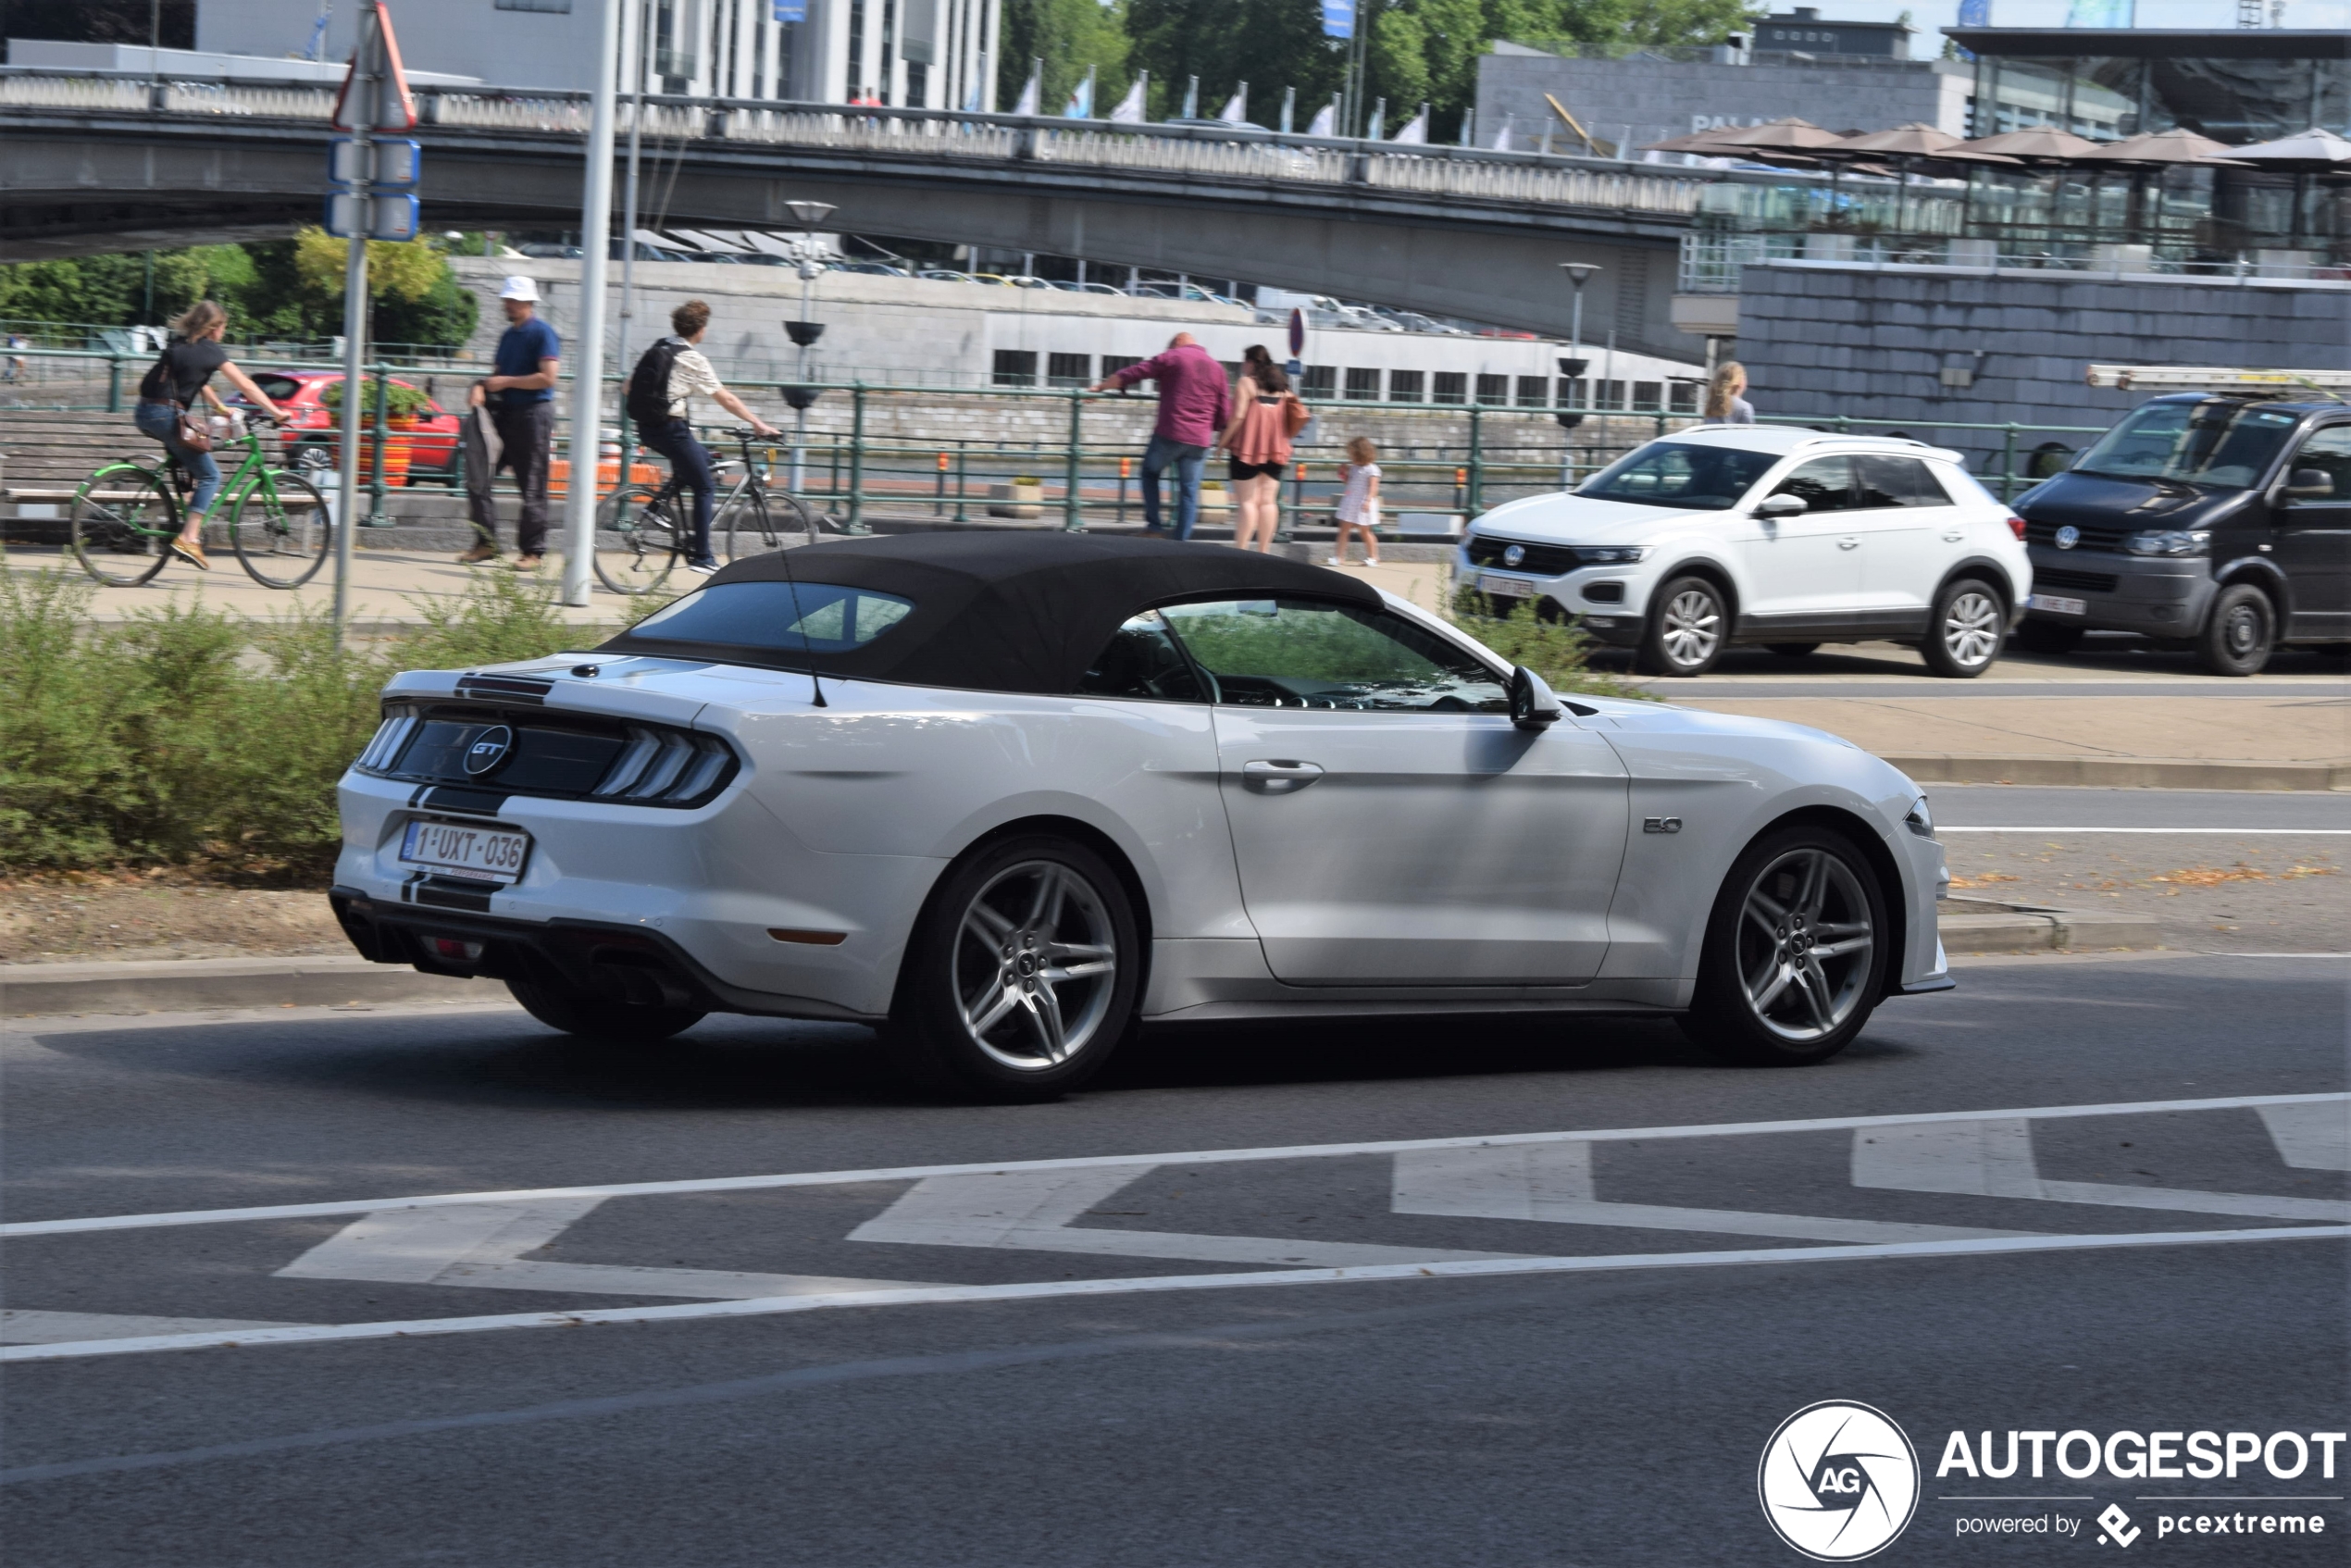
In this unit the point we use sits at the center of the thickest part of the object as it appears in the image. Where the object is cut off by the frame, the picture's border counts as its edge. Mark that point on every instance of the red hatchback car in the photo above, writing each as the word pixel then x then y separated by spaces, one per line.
pixel 311 438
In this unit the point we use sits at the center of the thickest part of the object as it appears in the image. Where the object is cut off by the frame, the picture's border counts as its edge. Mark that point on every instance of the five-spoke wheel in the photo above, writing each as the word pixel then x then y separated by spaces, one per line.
pixel 1796 956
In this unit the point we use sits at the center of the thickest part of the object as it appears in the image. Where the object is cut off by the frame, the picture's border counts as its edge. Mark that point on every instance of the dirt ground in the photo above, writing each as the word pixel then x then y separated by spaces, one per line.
pixel 48 920
pixel 2211 894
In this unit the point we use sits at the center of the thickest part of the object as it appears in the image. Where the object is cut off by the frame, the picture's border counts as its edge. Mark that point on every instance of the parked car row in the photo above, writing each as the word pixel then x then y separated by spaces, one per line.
pixel 2218 524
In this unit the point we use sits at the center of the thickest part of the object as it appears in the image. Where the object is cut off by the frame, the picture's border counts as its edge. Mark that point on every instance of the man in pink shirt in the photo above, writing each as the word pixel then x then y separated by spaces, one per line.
pixel 1195 405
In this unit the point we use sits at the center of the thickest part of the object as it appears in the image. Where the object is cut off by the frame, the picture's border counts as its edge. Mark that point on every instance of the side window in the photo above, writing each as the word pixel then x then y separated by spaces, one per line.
pixel 1896 481
pixel 1141 660
pixel 2329 451
pixel 1306 654
pixel 1826 484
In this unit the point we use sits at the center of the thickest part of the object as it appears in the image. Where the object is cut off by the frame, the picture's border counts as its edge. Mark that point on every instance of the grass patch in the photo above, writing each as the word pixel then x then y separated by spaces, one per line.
pixel 195 738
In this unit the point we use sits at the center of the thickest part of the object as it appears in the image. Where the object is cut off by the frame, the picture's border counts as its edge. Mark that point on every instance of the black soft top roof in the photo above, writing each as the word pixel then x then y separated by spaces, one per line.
pixel 1004 612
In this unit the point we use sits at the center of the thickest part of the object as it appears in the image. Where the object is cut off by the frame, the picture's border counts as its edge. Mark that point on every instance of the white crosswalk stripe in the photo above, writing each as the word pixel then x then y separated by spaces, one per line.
pixel 1995 1158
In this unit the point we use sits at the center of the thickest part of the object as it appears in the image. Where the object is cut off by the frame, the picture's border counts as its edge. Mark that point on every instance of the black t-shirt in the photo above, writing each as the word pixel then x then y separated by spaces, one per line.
pixel 181 371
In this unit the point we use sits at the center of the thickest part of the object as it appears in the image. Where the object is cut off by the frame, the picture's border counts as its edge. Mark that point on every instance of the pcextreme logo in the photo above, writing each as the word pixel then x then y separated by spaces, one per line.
pixel 1838 1481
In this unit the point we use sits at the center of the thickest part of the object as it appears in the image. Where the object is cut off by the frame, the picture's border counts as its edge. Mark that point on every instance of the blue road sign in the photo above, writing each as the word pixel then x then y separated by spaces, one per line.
pixel 393 163
pixel 1338 19
pixel 386 215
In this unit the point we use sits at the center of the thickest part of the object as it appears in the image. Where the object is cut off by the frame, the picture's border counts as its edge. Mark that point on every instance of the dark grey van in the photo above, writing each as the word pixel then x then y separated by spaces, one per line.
pixel 2217 522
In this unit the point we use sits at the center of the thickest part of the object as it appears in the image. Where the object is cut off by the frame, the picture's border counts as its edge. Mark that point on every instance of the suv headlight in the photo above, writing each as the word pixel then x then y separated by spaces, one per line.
pixel 1921 820
pixel 2168 541
pixel 1609 554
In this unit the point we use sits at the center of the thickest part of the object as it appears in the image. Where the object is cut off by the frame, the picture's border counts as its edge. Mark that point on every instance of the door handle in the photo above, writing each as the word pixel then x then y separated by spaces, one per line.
pixel 1850 541
pixel 1954 536
pixel 1278 776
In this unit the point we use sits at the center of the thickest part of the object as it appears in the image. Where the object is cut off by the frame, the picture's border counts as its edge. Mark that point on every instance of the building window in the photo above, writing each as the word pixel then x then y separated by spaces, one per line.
pixel 1648 396
pixel 1611 394
pixel 562 8
pixel 1114 363
pixel 856 74
pixel 1453 386
pixel 1067 369
pixel 1404 386
pixel 888 49
pixel 917 85
pixel 1322 380
pixel 1684 397
pixel 1494 390
pixel 1533 391
pixel 1362 386
pixel 1015 367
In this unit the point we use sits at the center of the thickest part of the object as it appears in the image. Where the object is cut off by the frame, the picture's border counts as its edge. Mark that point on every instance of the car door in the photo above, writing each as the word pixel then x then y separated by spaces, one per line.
pixel 1909 530
pixel 1800 569
pixel 1390 826
pixel 2312 540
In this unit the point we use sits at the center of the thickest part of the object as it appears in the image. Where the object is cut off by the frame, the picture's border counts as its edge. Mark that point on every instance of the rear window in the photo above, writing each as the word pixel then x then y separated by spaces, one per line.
pixel 791 617
pixel 276 388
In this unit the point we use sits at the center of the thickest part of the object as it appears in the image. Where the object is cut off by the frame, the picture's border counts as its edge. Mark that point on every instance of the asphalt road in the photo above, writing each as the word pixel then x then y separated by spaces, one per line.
pixel 1119 1364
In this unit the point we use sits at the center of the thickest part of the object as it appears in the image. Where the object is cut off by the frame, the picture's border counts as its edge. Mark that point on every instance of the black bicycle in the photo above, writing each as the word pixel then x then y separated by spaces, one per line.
pixel 650 527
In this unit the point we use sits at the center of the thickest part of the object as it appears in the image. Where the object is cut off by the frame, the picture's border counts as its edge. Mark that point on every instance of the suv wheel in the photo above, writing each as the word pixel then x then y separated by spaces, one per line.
pixel 2239 633
pixel 1964 630
pixel 1687 624
pixel 1023 976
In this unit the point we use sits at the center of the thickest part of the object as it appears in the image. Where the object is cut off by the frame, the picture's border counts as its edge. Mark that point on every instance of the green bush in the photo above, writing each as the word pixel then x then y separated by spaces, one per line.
pixel 1559 651
pixel 188 736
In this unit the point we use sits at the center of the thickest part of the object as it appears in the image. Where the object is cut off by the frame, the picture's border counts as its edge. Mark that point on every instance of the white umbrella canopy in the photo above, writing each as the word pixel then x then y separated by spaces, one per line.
pixel 2314 151
pixel 2176 146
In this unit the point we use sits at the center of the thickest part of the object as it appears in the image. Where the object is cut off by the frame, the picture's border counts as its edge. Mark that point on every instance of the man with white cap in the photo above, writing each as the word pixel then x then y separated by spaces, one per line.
pixel 513 426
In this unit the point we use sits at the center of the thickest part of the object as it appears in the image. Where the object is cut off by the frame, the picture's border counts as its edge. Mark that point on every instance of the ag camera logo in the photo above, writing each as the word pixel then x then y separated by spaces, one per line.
pixel 1839 1481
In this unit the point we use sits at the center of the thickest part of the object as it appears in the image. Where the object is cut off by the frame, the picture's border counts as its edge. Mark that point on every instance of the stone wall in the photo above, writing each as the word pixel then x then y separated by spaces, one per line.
pixel 1661 98
pixel 1829 338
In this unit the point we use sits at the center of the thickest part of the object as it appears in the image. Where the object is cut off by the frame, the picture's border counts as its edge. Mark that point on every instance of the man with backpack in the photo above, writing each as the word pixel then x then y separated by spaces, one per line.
pixel 670 375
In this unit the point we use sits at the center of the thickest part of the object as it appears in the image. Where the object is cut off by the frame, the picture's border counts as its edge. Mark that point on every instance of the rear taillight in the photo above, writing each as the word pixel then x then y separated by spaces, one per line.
pixel 665 765
pixel 2016 527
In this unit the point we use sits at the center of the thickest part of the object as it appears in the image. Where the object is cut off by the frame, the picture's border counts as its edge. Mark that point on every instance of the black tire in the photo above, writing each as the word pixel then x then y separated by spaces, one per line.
pixel 1964 630
pixel 983 947
pixel 1794 650
pixel 124 518
pixel 1688 623
pixel 641 526
pixel 283 542
pixel 616 1023
pixel 1746 950
pixel 2048 637
pixel 2240 631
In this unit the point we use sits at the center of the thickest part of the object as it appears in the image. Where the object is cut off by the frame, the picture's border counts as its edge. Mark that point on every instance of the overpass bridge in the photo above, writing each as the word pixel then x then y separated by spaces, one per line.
pixel 94 161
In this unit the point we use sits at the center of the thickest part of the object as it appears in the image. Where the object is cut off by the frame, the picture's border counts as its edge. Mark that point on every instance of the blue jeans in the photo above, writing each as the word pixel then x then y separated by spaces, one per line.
pixel 690 461
pixel 161 420
pixel 1188 461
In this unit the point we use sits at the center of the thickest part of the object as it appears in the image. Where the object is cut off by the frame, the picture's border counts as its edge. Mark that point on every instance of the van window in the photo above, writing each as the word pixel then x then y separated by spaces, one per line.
pixel 2219 443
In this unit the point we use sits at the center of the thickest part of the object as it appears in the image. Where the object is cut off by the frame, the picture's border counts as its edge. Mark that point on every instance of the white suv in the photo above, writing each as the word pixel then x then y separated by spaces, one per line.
pixel 1756 534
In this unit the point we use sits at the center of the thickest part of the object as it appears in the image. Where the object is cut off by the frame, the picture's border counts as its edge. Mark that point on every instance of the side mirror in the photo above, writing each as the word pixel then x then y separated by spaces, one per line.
pixel 1782 507
pixel 2309 484
pixel 1532 705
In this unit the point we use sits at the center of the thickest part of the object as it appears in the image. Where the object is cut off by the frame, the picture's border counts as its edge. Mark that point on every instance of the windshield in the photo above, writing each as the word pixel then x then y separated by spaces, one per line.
pixel 817 618
pixel 1680 474
pixel 2225 444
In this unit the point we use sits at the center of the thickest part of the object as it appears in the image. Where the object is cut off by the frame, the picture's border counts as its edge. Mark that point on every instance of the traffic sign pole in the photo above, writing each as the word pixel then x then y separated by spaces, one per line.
pixel 355 355
pixel 588 373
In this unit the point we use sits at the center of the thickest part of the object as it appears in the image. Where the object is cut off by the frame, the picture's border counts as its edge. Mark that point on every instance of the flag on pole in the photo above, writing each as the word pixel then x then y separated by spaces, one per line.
pixel 1029 90
pixel 1502 137
pixel 790 12
pixel 974 99
pixel 1235 107
pixel 1415 130
pixel 1130 109
pixel 1326 121
pixel 1338 19
pixel 1379 119
pixel 1081 99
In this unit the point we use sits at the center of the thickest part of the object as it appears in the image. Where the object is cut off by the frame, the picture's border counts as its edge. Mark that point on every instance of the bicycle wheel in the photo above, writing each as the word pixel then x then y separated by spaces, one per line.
pixel 124 517
pixel 637 538
pixel 754 525
pixel 281 529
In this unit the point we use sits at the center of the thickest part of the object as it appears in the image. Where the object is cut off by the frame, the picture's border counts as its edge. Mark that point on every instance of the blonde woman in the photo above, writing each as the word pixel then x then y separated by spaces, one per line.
pixel 1359 501
pixel 180 373
pixel 1266 414
pixel 1726 397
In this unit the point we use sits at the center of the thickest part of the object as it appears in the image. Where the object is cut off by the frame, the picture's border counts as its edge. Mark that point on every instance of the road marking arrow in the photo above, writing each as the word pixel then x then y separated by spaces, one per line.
pixel 1032 1211
pixel 1553 1182
pixel 1995 1158
pixel 482 1245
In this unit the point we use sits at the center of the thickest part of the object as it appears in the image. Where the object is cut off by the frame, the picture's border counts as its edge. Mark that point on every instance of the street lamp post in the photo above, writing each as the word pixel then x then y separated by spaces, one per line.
pixel 1573 366
pixel 807 255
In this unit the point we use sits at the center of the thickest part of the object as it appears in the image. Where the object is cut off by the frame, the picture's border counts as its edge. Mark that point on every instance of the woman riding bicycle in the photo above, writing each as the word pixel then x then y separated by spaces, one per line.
pixel 169 393
pixel 671 374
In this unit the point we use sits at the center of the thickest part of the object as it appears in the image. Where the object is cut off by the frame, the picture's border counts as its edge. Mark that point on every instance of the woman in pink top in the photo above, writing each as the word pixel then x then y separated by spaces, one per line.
pixel 1257 444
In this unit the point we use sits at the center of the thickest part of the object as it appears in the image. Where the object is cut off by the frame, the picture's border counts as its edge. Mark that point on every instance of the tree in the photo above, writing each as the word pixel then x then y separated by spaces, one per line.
pixel 1070 36
pixel 99 21
pixel 1271 44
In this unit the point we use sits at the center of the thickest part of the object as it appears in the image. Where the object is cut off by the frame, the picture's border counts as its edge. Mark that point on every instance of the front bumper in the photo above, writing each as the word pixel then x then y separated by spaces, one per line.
pixel 2155 595
pixel 1615 616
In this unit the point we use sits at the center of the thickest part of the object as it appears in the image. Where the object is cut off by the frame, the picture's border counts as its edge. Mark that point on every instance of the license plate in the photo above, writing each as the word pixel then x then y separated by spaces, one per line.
pixel 2055 605
pixel 486 854
pixel 1504 586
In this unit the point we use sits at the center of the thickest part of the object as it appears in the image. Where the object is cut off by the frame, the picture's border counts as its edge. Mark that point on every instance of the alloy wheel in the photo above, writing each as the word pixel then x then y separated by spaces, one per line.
pixel 1805 944
pixel 1692 626
pixel 1034 965
pixel 1972 628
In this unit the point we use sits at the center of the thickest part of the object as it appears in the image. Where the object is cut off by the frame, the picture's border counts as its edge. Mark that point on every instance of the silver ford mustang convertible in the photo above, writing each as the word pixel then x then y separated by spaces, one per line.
pixel 1007 798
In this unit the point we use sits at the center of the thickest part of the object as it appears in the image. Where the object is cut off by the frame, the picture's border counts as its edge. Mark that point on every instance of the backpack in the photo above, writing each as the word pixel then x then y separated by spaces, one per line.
pixel 648 399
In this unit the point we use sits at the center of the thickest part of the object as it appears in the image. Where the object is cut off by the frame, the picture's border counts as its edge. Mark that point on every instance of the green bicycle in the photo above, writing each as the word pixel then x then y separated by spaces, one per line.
pixel 126 514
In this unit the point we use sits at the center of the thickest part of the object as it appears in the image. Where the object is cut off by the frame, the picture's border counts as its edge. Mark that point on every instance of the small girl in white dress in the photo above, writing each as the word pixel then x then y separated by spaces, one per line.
pixel 1359 501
